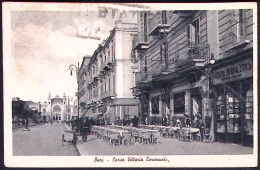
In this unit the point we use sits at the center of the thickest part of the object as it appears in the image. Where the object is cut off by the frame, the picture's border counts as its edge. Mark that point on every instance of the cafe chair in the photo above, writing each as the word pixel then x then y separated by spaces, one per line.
pixel 146 136
pixel 135 136
pixel 127 138
pixel 175 134
pixel 181 135
pixel 198 136
pixel 170 133
pixel 114 139
pixel 187 135
pixel 164 132
pixel 206 135
pixel 156 137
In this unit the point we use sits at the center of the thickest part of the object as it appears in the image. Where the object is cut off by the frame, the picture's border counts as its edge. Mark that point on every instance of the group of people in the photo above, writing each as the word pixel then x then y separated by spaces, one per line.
pixel 20 122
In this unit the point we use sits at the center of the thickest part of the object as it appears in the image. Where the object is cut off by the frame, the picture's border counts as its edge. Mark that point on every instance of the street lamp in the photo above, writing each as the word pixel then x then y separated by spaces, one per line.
pixel 75 68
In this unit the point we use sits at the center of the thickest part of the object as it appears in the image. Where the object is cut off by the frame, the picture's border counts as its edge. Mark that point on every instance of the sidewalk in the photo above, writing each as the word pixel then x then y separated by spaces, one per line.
pixel 97 146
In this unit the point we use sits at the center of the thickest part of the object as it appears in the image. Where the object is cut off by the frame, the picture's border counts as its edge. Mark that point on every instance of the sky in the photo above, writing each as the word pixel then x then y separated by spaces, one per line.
pixel 44 44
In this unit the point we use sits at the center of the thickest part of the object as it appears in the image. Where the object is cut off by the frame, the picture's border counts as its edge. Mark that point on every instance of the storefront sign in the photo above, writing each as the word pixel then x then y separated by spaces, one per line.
pixel 233 72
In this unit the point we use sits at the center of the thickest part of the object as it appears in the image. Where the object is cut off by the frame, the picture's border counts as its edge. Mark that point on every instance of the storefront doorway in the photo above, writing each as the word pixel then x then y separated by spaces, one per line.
pixel 196 105
pixel 234 112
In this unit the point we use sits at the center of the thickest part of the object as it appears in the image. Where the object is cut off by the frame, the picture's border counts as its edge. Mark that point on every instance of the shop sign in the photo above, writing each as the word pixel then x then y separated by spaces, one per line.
pixel 233 72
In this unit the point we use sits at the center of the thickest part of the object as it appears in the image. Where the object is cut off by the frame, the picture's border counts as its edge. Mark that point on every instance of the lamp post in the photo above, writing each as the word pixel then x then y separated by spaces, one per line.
pixel 75 68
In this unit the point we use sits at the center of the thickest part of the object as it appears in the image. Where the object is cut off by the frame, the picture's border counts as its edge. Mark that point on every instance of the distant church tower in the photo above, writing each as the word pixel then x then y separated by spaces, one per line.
pixel 49 105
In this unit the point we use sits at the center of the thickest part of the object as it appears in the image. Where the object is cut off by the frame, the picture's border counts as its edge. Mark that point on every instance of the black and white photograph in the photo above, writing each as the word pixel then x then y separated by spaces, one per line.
pixel 130 84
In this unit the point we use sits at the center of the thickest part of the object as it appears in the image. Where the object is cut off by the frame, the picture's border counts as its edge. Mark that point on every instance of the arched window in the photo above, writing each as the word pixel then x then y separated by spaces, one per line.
pixel 56 108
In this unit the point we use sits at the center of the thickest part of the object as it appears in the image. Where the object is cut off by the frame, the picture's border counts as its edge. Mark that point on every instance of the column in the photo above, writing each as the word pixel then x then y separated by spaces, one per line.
pixel 187 102
pixel 160 109
pixel 149 111
pixel 171 107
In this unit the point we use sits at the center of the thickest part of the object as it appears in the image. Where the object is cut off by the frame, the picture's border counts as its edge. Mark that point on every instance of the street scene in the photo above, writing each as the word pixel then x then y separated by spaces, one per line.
pixel 133 81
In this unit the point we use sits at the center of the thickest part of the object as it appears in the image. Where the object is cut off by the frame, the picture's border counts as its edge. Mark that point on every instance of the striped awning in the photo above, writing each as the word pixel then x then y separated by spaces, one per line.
pixel 88 113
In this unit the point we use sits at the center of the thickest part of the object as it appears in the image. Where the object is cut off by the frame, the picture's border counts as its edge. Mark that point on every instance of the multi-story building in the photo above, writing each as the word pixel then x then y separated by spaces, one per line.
pixel 176 79
pixel 109 76
pixel 232 82
pixel 83 91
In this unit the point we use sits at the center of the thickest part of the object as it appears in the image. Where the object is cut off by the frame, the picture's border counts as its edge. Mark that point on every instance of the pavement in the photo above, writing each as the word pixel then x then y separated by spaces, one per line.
pixel 42 140
pixel 17 127
pixel 168 146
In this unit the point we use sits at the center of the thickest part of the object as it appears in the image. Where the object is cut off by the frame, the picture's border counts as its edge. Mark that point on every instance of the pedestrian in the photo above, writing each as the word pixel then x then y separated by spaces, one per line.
pixel 26 123
pixel 187 122
pixel 201 127
pixel 85 129
pixel 135 121
pixel 178 123
pixel 125 121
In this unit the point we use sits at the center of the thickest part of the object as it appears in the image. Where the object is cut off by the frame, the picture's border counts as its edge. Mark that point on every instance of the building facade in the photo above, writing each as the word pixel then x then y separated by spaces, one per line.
pixel 56 108
pixel 109 77
pixel 175 79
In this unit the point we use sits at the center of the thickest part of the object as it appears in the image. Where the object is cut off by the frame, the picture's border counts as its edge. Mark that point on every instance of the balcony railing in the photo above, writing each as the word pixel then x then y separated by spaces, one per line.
pixel 106 65
pixel 156 25
pixel 194 54
pixel 141 77
pixel 138 78
pixel 140 41
pixel 107 94
pixel 159 69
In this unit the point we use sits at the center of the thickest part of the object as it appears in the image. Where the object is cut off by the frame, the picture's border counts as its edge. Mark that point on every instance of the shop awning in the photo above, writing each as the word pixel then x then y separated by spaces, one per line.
pixel 102 109
pixel 95 115
pixel 84 112
pixel 110 111
pixel 89 113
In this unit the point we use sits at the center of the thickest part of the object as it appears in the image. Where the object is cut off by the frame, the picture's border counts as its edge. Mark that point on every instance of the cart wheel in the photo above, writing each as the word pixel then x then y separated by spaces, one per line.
pixel 62 139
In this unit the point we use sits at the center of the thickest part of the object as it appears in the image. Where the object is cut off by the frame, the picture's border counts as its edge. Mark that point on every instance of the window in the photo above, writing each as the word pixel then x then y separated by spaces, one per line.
pixel 239 25
pixel 105 85
pixel 93 70
pixel 179 103
pixel 164 17
pixel 155 105
pixel 108 83
pixel 108 55
pixel 164 54
pixel 113 52
pixel 114 84
pixel 193 32
pixel 145 62
pixel 145 26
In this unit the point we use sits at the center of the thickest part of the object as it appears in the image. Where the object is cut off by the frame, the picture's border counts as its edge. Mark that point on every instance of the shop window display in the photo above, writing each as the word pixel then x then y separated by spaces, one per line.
pixel 248 124
pixel 234 112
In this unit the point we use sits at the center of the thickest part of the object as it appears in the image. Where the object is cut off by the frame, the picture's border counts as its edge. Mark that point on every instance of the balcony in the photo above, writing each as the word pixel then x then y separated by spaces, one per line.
pixel 140 42
pixel 159 69
pixel 156 25
pixel 138 78
pixel 183 13
pixel 194 55
pixel 141 77
pixel 106 65
pixel 107 94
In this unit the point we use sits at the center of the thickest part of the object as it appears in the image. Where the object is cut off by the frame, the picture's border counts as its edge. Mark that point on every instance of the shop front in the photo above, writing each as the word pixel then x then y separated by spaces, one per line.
pixel 233 101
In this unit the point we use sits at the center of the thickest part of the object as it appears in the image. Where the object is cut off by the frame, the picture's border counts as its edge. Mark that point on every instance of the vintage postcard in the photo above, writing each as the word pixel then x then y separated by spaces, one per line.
pixel 130 84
